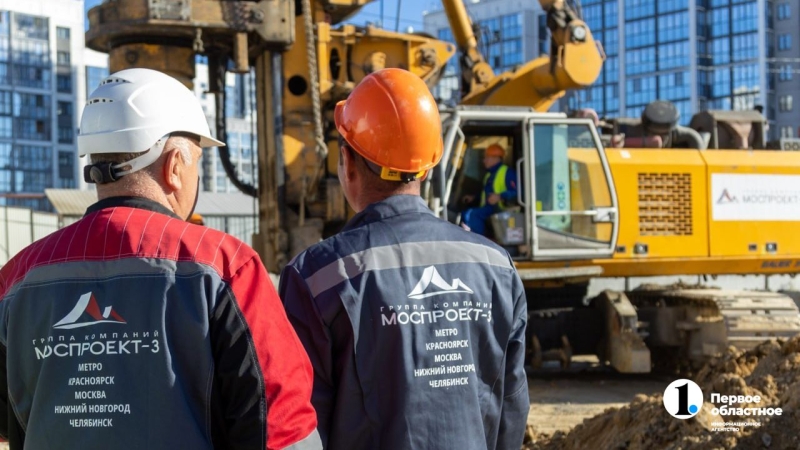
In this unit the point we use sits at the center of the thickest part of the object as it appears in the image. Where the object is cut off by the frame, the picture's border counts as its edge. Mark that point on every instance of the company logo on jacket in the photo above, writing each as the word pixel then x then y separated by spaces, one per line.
pixel 432 282
pixel 87 313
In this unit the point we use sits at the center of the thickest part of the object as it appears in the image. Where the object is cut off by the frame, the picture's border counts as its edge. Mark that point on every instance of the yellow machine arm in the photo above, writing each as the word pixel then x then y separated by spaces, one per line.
pixel 574 62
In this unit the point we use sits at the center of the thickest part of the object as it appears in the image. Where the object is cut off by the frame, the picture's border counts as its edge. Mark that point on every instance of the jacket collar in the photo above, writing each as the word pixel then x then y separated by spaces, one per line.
pixel 130 202
pixel 392 206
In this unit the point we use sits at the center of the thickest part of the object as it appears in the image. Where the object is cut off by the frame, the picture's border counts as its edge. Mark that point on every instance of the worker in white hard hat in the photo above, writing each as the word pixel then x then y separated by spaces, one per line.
pixel 134 328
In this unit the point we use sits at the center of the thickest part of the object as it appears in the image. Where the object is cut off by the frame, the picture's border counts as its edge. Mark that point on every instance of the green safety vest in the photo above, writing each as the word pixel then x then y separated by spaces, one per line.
pixel 498 187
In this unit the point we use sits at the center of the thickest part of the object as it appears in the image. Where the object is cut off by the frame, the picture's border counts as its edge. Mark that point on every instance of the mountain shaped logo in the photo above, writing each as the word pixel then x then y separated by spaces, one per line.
pixel 432 282
pixel 726 197
pixel 86 313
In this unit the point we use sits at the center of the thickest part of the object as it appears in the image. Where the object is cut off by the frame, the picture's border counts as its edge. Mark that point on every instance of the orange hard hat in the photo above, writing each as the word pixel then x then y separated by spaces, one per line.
pixel 196 219
pixel 392 120
pixel 495 150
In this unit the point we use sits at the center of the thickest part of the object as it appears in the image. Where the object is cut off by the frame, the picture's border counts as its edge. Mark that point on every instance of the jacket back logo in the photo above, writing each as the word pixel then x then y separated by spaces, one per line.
pixel 432 282
pixel 86 313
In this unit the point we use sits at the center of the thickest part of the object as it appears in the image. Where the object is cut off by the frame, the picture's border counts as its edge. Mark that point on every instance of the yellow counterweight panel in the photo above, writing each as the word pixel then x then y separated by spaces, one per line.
pixel 662 202
pixel 754 202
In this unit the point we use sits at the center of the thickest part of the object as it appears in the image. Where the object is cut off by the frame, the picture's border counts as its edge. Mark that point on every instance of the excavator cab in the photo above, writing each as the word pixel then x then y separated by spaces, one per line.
pixel 566 206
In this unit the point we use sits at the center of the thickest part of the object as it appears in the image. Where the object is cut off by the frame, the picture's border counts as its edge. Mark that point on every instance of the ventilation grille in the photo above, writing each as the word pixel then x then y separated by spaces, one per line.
pixel 665 204
pixel 113 80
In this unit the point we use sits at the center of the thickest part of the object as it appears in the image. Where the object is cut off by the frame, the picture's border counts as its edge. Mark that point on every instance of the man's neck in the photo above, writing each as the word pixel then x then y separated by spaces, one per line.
pixel 142 191
pixel 367 198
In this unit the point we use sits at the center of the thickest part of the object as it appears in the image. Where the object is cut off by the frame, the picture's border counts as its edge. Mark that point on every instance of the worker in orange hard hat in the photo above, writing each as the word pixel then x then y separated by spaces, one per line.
pixel 373 303
pixel 499 187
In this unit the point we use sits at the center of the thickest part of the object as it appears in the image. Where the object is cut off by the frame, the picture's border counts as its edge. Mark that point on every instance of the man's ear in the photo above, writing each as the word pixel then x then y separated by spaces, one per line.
pixel 349 158
pixel 173 165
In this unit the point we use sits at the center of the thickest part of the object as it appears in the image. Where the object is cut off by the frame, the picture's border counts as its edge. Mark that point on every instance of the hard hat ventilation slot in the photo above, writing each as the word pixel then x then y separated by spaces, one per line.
pixel 100 100
pixel 113 80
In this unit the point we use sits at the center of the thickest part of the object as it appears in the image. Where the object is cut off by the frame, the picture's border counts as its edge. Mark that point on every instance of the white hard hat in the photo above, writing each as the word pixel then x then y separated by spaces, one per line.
pixel 133 109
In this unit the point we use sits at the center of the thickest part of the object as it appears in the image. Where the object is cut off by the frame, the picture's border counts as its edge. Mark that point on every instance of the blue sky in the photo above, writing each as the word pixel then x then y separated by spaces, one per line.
pixel 410 12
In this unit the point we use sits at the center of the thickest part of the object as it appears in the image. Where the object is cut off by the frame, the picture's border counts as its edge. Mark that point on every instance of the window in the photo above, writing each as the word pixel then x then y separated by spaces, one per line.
pixel 672 5
pixel 785 103
pixel 673 55
pixel 745 47
pixel 512 26
pixel 64 83
pixel 640 33
pixel 640 91
pixel 610 11
pixel 785 73
pixel 594 16
pixel 611 41
pixel 672 86
pixel 62 33
pixel 95 76
pixel 31 27
pixel 787 132
pixel 31 169
pixel 63 58
pixel 640 61
pixel 66 169
pixel 744 17
pixel 720 22
pixel 611 69
pixel 673 27
pixel 784 11
pixel 32 76
pixel 635 9
pixel 721 84
pixel 785 41
pixel 65 123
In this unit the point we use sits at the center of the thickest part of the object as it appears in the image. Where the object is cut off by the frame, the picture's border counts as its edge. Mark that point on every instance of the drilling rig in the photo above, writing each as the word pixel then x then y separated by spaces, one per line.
pixel 585 208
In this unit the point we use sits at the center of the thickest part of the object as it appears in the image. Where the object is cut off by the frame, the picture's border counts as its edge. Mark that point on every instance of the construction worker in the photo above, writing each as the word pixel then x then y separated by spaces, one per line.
pixel 134 328
pixel 414 326
pixel 499 187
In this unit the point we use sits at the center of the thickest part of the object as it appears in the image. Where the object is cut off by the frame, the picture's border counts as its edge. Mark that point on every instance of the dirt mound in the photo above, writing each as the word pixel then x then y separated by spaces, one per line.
pixel 771 371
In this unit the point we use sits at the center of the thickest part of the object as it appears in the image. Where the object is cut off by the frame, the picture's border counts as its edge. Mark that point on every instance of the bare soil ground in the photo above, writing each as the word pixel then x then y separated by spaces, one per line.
pixel 770 374
pixel 560 401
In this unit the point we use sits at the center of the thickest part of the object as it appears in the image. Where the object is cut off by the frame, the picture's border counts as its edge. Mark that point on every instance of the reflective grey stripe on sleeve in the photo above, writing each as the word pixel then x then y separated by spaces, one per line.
pixel 408 254
pixel 311 442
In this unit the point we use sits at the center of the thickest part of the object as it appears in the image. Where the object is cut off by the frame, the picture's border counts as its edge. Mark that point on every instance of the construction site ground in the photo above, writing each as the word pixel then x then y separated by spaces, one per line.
pixel 562 399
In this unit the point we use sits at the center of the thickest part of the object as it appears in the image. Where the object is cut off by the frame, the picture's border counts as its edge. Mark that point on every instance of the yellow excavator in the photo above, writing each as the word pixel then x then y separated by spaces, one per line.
pixel 587 206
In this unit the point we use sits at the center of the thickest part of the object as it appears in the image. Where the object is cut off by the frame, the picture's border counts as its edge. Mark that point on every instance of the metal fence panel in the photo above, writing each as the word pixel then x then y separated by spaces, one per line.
pixel 240 227
pixel 20 227
pixel 44 224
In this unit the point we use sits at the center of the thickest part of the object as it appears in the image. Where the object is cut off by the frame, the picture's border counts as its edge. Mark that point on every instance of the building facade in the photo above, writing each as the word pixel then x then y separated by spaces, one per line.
pixel 512 32
pixel 699 54
pixel 41 91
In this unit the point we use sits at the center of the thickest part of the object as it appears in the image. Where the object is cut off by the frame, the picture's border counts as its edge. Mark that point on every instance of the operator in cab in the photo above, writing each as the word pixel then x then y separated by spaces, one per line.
pixel 415 327
pixel 499 188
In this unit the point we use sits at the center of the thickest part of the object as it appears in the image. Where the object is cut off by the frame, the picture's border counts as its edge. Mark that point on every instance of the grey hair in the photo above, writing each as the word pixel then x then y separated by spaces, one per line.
pixel 183 145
